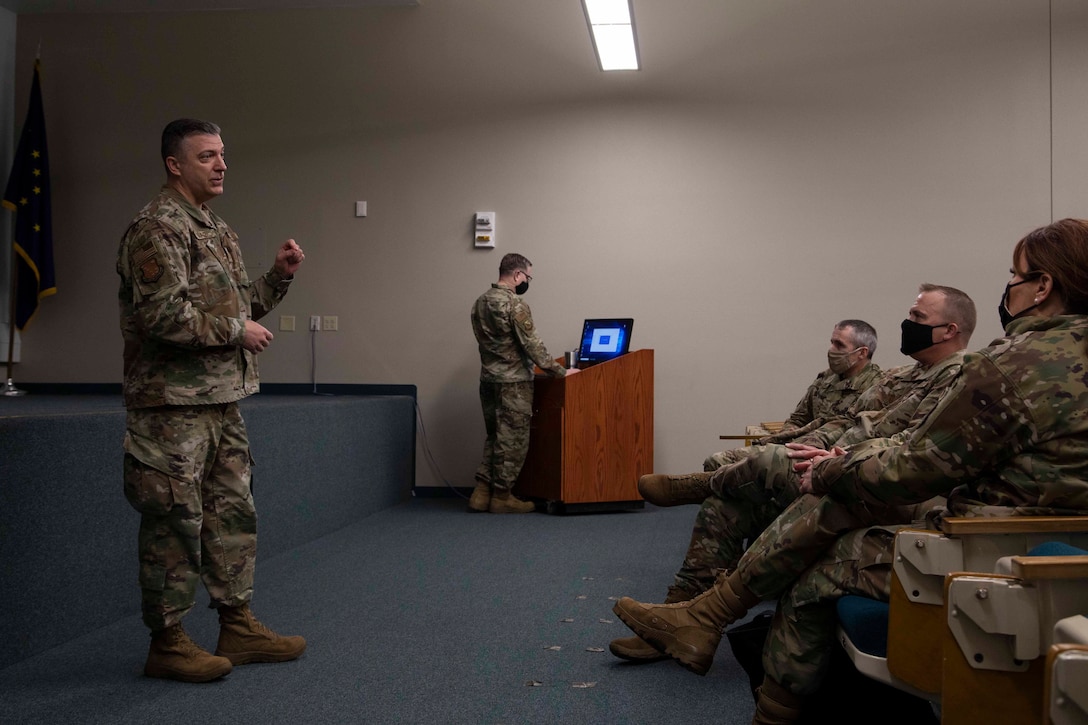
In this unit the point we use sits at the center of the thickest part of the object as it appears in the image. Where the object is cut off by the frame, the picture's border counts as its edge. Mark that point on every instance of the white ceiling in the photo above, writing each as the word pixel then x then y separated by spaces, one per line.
pixel 127 6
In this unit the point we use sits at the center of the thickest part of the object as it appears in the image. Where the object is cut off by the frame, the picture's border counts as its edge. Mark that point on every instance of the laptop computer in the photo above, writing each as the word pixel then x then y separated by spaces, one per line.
pixel 604 339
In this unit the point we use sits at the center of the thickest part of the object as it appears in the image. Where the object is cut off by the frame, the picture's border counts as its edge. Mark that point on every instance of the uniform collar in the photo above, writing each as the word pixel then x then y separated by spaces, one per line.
pixel 1035 324
pixel 201 214
pixel 850 381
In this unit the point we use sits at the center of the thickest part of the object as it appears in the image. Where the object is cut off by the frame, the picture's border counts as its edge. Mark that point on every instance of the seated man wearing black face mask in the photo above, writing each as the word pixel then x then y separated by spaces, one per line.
pixel 746 496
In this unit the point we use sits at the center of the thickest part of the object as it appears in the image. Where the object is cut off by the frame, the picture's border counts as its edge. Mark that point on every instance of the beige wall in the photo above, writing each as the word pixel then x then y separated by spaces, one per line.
pixel 776 167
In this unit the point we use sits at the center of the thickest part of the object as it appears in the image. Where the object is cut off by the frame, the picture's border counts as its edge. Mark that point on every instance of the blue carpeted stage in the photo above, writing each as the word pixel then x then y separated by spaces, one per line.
pixel 68 536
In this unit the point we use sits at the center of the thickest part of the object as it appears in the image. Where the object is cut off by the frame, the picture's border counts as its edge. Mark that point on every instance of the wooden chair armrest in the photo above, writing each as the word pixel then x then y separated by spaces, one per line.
pixel 1037 568
pixel 957 526
pixel 755 432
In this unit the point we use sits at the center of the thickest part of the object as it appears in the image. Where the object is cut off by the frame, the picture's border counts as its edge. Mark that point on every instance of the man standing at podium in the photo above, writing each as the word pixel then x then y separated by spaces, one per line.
pixel 509 349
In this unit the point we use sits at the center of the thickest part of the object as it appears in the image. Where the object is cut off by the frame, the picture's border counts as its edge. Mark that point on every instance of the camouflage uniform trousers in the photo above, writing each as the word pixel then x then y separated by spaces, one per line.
pixel 508 410
pixel 725 458
pixel 187 472
pixel 747 496
pixel 801 536
pixel 802 638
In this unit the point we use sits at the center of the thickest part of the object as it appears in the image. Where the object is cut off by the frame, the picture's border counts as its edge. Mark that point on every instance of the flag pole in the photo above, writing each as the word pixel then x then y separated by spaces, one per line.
pixel 28 187
pixel 9 388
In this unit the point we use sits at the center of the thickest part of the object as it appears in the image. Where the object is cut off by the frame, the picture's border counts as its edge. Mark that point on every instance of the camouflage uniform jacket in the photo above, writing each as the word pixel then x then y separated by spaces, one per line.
pixel 897 402
pixel 831 395
pixel 185 297
pixel 507 337
pixel 1009 437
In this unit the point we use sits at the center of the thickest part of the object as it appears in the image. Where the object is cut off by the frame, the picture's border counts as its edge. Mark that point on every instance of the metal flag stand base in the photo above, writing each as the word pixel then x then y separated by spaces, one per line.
pixel 11 390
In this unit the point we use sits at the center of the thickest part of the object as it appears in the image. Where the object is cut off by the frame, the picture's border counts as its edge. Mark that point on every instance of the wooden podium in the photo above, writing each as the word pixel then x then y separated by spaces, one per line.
pixel 592 436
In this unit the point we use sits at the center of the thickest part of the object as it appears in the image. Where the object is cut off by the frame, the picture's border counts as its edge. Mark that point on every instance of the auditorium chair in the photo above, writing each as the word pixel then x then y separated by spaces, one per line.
pixel 1065 677
pixel 901 642
pixel 1001 627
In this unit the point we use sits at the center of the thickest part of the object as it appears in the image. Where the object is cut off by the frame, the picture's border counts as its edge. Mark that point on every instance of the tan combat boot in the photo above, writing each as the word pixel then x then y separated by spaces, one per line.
pixel 664 490
pixel 480 501
pixel 689 632
pixel 243 639
pixel 504 502
pixel 636 649
pixel 174 656
pixel 775 705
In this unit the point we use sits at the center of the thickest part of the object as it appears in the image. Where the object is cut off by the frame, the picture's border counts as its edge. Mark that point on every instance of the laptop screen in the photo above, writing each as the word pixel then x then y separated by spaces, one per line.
pixel 604 339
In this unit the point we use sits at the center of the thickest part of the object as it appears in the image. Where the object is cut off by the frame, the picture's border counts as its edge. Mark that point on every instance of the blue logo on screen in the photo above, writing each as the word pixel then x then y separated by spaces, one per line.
pixel 605 340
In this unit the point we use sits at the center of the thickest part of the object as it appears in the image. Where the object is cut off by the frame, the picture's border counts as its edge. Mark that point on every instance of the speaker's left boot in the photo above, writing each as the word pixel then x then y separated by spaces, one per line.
pixel 243 639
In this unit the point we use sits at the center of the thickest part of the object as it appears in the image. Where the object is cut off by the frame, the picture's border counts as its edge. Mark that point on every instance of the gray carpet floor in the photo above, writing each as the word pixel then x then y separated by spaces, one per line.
pixel 420 613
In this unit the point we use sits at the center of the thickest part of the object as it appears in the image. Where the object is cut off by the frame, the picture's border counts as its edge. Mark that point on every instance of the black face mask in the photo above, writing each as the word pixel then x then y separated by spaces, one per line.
pixel 522 288
pixel 1003 308
pixel 916 336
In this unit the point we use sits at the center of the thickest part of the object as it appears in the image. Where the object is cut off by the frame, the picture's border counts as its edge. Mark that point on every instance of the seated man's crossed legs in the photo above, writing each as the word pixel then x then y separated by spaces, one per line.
pixel 723 471
pixel 690 631
pixel 802 640
pixel 743 499
pixel 803 634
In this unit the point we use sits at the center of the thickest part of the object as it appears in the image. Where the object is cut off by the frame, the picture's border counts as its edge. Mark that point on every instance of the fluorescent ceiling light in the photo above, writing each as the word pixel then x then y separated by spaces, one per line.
pixel 612 26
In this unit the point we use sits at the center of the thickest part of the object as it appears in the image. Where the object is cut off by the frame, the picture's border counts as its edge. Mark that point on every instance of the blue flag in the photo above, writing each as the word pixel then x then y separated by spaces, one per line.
pixel 28 196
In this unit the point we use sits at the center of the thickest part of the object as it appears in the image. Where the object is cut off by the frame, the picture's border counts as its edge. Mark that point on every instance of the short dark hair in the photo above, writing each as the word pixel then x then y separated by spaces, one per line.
pixel 176 131
pixel 864 334
pixel 512 262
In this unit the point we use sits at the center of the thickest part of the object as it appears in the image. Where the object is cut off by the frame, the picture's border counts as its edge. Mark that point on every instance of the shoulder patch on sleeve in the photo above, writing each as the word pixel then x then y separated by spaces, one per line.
pixel 150 271
pixel 147 261
pixel 524 320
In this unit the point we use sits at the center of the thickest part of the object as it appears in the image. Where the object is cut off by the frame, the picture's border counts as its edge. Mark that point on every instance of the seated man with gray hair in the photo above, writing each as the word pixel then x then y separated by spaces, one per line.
pixel 850 372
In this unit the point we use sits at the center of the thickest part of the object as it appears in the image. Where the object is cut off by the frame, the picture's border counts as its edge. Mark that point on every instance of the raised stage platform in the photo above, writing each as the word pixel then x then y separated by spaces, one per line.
pixel 68 536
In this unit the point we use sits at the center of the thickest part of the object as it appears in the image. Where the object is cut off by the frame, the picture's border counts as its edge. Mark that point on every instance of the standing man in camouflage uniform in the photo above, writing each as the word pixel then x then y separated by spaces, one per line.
pixel 1008 439
pixel 746 496
pixel 188 312
pixel 850 372
pixel 509 347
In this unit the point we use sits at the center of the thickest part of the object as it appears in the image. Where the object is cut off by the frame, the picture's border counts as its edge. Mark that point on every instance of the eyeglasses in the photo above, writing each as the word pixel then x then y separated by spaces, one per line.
pixel 528 277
